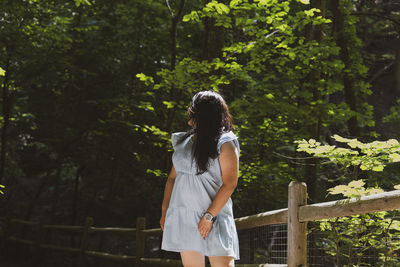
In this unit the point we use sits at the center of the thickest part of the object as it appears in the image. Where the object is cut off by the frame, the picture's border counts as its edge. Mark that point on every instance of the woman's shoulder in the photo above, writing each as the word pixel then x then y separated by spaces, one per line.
pixel 228 135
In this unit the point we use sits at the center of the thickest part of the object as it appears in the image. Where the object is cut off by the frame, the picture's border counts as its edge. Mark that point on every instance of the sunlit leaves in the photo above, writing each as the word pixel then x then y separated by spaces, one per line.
pixel 156 172
pixel 146 105
pixel 82 2
pixel 213 9
pixel 359 232
pixel 306 2
pixel 169 104
pixel 2 72
pixel 220 8
pixel 369 156
pixel 194 15
pixel 354 189
pixel 266 2
pixel 146 79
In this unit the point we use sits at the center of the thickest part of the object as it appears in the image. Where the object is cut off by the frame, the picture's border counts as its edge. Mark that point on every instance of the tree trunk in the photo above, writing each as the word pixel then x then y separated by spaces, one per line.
pixel 349 94
pixel 397 68
pixel 6 109
pixel 315 129
pixel 175 19
pixel 213 41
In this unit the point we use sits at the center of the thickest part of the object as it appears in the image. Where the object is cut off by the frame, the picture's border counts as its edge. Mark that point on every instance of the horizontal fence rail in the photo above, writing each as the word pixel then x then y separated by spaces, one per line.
pixel 379 202
pixel 296 216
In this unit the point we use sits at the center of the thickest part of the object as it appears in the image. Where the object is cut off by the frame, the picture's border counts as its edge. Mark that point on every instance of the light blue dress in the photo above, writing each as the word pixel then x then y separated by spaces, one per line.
pixel 191 196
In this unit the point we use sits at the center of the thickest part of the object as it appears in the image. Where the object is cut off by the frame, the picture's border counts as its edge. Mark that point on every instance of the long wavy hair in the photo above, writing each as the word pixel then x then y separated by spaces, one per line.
pixel 210 118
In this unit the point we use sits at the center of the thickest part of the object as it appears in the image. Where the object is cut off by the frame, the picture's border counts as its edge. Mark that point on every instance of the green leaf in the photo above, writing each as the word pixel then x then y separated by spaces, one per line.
pixel 339 189
pixel 306 2
pixel 395 157
pixel 265 2
pixel 144 78
pixel 85 2
pixel 194 15
pixel 2 72
pixel 234 3
pixel 378 168
pixel 269 96
pixel 357 184
pixel 169 104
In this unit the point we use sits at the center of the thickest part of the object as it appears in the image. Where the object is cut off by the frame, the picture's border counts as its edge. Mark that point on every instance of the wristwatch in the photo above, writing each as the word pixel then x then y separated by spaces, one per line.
pixel 209 217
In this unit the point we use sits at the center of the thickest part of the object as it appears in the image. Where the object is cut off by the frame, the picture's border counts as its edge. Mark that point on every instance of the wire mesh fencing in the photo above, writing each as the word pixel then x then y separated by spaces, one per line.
pixel 371 240
pixel 368 240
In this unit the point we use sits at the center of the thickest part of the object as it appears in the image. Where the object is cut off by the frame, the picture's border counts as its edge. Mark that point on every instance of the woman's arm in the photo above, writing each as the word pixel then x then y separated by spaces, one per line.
pixel 169 185
pixel 229 162
pixel 168 189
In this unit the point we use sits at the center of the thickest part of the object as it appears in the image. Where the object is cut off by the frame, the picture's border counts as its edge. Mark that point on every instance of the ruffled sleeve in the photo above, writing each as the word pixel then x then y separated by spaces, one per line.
pixel 225 137
pixel 175 137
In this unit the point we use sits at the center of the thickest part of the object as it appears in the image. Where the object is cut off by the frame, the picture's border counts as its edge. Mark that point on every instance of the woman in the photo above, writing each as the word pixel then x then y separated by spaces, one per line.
pixel 197 218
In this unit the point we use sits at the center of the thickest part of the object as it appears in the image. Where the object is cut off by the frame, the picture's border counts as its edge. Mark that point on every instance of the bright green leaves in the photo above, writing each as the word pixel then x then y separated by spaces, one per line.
pixel 2 72
pixel 214 6
pixel 395 157
pixel 156 172
pixel 1 186
pixel 354 189
pixel 306 2
pixel 345 236
pixel 394 116
pixel 266 2
pixel 235 3
pixel 194 15
pixel 145 106
pixel 82 2
pixel 311 12
pixel 219 11
pixel 190 74
pixel 169 104
pixel 146 79
pixel 368 156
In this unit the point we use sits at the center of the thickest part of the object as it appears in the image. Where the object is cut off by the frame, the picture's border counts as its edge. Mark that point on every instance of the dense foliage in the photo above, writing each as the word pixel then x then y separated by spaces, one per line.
pixel 93 89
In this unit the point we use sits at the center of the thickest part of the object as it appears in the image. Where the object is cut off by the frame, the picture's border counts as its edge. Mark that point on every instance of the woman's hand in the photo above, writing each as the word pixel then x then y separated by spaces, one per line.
pixel 204 227
pixel 162 220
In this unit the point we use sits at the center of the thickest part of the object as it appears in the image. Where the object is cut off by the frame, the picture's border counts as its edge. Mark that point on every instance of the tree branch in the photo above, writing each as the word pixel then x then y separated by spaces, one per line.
pixel 169 8
pixel 383 16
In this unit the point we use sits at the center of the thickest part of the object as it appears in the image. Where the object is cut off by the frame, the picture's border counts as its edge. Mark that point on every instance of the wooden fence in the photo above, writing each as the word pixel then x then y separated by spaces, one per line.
pixel 296 216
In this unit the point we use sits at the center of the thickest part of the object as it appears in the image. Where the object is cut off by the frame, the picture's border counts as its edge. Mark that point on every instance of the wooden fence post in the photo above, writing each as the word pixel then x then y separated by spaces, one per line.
pixel 140 240
pixel 297 231
pixel 84 240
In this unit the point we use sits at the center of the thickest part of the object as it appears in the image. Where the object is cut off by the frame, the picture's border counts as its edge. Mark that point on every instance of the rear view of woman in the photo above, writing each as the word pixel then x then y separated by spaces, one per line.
pixel 197 217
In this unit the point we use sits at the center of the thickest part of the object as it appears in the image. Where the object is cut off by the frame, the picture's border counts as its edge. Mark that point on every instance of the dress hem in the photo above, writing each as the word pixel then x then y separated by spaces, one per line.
pixel 189 249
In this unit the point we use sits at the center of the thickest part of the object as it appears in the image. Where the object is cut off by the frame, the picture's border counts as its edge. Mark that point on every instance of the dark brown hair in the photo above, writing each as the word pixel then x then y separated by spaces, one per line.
pixel 210 116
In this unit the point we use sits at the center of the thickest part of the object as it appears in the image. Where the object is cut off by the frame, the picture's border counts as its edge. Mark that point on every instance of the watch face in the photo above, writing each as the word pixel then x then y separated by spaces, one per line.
pixel 208 217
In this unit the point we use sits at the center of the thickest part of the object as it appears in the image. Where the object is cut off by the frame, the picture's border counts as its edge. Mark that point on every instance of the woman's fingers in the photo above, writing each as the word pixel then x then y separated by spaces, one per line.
pixel 162 221
pixel 204 228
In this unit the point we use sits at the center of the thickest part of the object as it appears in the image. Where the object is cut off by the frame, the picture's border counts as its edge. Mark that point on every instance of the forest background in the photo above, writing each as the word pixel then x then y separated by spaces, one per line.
pixel 91 91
